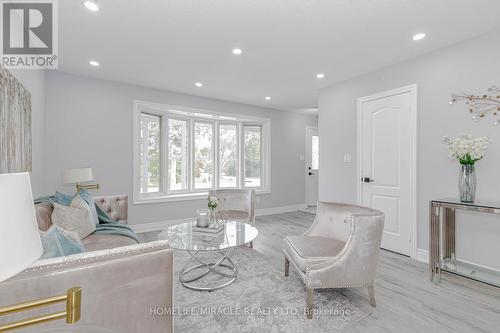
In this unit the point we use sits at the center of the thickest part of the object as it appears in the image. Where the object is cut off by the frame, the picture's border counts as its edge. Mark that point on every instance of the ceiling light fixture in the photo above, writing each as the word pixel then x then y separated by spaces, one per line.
pixel 91 5
pixel 237 51
pixel 419 36
pixel 94 63
pixel 268 98
pixel 320 75
pixel 198 84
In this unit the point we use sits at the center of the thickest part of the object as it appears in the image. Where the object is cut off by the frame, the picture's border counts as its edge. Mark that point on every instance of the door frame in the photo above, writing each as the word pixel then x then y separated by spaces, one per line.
pixel 308 128
pixel 412 89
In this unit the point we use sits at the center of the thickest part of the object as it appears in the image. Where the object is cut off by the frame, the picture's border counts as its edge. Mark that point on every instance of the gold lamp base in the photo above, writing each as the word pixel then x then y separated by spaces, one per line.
pixel 87 187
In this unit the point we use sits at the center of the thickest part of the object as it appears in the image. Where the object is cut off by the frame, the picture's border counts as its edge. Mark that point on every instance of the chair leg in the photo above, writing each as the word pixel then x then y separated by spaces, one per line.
pixel 287 266
pixel 371 293
pixel 250 245
pixel 310 302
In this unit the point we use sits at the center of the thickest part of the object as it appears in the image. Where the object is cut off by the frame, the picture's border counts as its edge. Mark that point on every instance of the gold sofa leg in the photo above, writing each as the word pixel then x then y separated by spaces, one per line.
pixel 72 298
pixel 310 302
pixel 371 293
pixel 287 266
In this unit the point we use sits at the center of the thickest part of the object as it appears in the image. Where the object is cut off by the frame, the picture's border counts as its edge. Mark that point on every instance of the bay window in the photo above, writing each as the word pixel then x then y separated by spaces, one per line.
pixel 182 153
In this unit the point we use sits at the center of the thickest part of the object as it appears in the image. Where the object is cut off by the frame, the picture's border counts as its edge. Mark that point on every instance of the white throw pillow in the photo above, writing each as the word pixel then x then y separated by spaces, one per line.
pixel 73 218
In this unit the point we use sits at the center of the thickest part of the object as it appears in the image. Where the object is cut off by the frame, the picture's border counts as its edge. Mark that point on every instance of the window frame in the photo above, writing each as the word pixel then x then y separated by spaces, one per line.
pixel 138 158
pixel 242 161
pixel 238 157
pixel 192 116
pixel 213 124
pixel 165 120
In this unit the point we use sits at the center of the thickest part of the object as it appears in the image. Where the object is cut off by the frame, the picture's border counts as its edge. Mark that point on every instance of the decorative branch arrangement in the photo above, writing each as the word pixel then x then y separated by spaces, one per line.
pixel 480 106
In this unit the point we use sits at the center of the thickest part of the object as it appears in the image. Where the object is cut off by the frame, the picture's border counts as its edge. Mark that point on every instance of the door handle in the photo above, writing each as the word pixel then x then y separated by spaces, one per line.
pixel 366 180
pixel 310 173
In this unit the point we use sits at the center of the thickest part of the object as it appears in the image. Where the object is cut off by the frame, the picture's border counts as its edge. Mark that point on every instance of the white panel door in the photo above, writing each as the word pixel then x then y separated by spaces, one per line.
pixel 312 166
pixel 386 163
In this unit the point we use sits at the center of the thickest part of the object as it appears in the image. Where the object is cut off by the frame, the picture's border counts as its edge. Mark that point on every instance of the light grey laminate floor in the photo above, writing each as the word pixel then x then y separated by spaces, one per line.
pixel 406 299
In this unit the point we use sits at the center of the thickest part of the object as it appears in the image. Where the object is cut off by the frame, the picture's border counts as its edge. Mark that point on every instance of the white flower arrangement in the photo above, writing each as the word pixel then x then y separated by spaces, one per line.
pixel 213 202
pixel 467 149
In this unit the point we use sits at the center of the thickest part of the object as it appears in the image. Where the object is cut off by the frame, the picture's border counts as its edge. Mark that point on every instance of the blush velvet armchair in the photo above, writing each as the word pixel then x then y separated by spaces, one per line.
pixel 339 250
pixel 236 204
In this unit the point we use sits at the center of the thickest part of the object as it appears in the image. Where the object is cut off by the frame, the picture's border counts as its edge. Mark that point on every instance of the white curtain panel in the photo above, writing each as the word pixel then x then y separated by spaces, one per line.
pixel 15 125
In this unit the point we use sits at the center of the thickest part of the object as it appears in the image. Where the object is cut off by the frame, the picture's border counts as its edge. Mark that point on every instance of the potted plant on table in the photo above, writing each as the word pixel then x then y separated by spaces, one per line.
pixel 467 150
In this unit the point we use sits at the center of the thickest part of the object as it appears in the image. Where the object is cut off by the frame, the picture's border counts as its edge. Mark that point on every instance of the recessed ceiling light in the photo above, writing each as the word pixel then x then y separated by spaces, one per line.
pixel 268 98
pixel 94 63
pixel 91 5
pixel 237 51
pixel 419 36
pixel 320 75
pixel 198 84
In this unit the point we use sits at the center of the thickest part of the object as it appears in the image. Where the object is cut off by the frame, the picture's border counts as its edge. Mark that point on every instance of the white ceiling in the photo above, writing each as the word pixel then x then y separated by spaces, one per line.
pixel 171 44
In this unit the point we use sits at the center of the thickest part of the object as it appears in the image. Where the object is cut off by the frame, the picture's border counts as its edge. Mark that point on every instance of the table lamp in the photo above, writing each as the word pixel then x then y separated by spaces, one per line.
pixel 79 176
pixel 20 243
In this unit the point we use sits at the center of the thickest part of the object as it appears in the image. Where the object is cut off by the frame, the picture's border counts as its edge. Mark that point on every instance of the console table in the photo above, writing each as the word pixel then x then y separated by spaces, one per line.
pixel 442 240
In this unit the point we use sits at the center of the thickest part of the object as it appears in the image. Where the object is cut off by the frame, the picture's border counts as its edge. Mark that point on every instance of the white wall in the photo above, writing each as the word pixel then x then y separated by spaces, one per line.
pixel 89 123
pixel 34 81
pixel 471 66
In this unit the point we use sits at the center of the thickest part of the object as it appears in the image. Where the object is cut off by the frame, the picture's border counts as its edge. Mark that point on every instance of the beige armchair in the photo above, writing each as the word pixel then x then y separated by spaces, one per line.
pixel 237 204
pixel 339 250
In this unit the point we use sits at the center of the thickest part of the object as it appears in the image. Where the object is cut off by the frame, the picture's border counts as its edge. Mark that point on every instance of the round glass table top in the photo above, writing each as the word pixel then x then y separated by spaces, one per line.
pixel 185 236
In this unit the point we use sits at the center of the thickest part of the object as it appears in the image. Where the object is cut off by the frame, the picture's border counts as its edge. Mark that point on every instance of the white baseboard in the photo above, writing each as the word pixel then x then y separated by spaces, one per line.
pixel 154 226
pixel 279 210
pixel 423 256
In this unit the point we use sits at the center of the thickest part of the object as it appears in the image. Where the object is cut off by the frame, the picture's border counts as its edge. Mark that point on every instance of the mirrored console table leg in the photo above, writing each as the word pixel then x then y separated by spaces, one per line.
pixel 449 233
pixel 434 240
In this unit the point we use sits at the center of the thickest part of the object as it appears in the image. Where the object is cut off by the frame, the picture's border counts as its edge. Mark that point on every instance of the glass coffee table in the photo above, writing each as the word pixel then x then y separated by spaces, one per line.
pixel 218 247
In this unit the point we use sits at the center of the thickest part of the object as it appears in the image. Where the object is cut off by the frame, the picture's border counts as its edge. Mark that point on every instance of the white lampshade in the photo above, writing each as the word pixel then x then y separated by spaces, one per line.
pixel 20 243
pixel 75 176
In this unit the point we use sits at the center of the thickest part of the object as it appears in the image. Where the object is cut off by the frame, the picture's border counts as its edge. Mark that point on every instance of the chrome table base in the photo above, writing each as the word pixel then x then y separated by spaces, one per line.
pixel 206 269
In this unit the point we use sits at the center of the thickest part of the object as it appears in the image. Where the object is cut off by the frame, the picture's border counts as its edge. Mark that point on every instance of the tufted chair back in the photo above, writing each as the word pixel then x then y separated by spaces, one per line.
pixel 116 207
pixel 333 220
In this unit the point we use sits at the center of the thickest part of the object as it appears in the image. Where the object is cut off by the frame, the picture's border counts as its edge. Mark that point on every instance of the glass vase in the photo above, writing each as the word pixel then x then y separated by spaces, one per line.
pixel 213 218
pixel 467 183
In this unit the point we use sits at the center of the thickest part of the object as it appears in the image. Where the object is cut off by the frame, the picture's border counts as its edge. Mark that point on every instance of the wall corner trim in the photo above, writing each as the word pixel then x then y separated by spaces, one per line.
pixel 423 256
